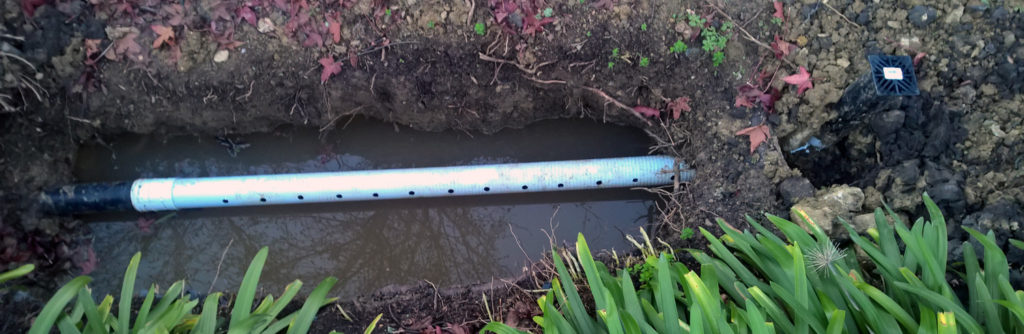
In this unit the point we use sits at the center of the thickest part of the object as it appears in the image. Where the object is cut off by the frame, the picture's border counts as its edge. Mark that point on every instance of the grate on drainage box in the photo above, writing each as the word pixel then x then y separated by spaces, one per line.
pixel 893 75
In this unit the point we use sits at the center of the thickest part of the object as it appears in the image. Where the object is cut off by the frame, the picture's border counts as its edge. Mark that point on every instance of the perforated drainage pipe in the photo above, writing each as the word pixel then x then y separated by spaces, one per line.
pixel 210 192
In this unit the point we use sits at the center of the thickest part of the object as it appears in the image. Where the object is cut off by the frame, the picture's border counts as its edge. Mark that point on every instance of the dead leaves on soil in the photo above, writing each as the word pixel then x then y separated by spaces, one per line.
pixel 802 80
pixel 330 68
pixel 758 134
pixel 164 34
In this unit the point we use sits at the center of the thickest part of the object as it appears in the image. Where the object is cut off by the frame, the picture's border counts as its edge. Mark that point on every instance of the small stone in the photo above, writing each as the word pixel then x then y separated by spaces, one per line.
pixel 989 89
pixel 861 223
pixel 795 188
pixel 801 41
pixel 887 123
pixel 850 199
pixel 954 15
pixel 265 25
pixel 221 56
pixel 920 16
pixel 843 62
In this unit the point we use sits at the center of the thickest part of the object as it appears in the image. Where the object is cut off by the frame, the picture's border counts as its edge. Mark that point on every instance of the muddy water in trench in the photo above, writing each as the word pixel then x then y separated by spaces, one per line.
pixel 367 245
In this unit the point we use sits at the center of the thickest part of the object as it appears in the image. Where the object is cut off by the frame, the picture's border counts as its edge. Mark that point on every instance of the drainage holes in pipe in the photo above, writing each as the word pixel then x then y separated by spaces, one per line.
pixel 409 238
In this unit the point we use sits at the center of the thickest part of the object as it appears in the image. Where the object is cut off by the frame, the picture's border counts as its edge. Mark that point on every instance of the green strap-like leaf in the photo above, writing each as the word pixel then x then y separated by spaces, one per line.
pixel 835 322
pixel 17 272
pixel 665 296
pixel 590 270
pixel 55 306
pixel 208 319
pixel 124 306
pixel 311 306
pixel 243 302
pixel 373 324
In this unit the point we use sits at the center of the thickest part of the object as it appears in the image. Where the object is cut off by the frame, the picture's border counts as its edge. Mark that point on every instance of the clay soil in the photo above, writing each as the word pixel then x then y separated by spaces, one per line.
pixel 100 68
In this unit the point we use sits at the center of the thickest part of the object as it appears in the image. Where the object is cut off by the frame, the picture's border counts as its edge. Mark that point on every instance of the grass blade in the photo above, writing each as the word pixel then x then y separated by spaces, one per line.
pixel 147 304
pixel 590 271
pixel 17 272
pixel 576 311
pixel 304 319
pixel 835 322
pixel 943 303
pixel 124 306
pixel 208 319
pixel 665 296
pixel 246 292
pixel 55 306
pixel 890 306
pixel 946 323
pixel 493 326
pixel 373 324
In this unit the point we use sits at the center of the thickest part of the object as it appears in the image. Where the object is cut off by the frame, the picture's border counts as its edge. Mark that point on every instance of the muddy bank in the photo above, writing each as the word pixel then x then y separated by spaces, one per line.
pixel 425 64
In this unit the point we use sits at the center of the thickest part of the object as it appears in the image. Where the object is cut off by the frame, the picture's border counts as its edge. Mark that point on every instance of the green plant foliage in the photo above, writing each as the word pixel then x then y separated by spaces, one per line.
pixel 777 21
pixel 686 233
pixel 173 312
pixel 549 12
pixel 678 47
pixel 695 20
pixel 643 27
pixel 644 61
pixel 17 272
pixel 760 283
pixel 480 28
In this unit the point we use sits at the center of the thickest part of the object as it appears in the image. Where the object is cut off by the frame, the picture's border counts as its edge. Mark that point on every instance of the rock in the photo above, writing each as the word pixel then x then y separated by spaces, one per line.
pixel 954 15
pixel 843 62
pixel 836 202
pixel 893 24
pixel 887 123
pixel 794 189
pixel 861 223
pixel 864 17
pixel 920 16
pixel 221 56
pixel 1002 218
pixel 989 89
pixel 999 14
pixel 265 25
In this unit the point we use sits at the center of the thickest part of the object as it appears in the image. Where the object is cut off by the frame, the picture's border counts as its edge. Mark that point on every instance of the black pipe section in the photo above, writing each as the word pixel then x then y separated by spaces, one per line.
pixel 90 197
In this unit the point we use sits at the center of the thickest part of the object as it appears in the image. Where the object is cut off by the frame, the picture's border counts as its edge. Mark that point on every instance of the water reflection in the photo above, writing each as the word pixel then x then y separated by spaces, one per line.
pixel 366 245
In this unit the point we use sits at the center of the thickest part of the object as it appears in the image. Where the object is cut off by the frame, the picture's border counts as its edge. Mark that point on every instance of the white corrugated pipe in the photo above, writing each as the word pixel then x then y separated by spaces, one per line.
pixel 205 192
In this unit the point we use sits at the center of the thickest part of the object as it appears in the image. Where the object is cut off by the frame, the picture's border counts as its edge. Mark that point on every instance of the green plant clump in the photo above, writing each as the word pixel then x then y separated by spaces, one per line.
pixel 643 27
pixel 644 61
pixel 757 282
pixel 173 312
pixel 686 234
pixel 715 40
pixel 480 28
pixel 678 47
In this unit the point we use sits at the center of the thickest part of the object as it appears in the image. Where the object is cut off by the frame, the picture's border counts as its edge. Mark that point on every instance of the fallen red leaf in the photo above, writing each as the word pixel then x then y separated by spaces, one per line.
pixel 330 68
pixel 778 11
pixel 646 111
pixel 125 46
pixel 353 58
pixel 335 29
pixel 29 6
pixel 679 105
pixel 758 134
pixel 606 4
pixel 802 80
pixel 175 14
pixel 746 95
pixel 164 34
pixel 246 13
pixel 781 47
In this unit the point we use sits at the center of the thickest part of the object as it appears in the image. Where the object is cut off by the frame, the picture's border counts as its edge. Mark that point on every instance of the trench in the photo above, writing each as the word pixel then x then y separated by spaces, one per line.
pixel 367 245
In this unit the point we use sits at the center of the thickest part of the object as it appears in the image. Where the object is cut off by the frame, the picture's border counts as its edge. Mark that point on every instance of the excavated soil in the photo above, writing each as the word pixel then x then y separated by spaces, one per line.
pixel 98 70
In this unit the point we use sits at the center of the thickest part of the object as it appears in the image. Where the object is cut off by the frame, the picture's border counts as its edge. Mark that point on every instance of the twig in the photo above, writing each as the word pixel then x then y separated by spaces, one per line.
pixel 472 8
pixel 612 100
pixel 5 54
pixel 222 254
pixel 599 92
pixel 750 37
pixel 335 119
pixel 841 15
pixel 529 70
pixel 17 38
pixel 246 95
